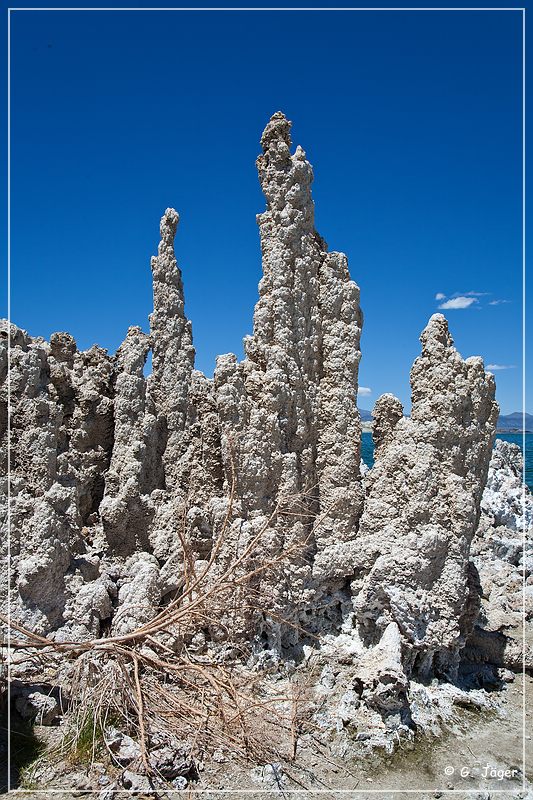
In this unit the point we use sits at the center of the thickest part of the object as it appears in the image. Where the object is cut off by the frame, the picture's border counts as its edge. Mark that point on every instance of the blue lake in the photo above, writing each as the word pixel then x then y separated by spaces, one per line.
pixel 367 450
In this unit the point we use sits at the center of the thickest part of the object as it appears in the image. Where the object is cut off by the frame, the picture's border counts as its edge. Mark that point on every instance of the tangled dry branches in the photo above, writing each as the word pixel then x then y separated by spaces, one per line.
pixel 151 683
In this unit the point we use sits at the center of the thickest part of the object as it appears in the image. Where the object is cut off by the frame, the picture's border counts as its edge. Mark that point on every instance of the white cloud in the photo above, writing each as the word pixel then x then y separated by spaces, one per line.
pixel 440 296
pixel 494 367
pixel 458 302
pixel 473 294
pixel 364 391
pixel 498 302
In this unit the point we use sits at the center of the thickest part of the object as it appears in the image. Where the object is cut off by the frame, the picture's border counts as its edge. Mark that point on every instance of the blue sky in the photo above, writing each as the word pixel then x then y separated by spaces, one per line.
pixel 412 122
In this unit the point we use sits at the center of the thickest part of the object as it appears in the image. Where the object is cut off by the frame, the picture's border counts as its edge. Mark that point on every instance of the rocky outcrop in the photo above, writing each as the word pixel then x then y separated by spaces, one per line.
pixel 187 444
pixel 110 467
pixel 125 510
pixel 123 487
pixel 505 499
pixel 61 439
pixel 172 357
pixel 423 506
pixel 289 423
pixel 502 551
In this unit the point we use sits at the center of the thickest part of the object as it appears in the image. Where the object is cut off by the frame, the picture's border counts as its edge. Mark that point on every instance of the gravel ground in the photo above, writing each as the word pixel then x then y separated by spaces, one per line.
pixel 475 760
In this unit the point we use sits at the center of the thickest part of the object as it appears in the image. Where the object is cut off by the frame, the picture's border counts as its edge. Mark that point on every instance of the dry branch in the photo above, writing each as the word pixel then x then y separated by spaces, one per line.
pixel 155 690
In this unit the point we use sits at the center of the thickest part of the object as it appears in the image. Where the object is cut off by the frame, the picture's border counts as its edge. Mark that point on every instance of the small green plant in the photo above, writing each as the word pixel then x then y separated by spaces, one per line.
pixel 87 740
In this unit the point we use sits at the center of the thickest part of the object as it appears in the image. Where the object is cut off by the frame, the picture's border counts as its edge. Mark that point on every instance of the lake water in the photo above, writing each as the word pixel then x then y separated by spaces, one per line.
pixel 367 450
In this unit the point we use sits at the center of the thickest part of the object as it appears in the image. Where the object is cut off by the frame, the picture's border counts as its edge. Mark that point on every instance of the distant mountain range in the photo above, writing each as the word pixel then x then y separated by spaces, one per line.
pixel 513 422
pixel 506 422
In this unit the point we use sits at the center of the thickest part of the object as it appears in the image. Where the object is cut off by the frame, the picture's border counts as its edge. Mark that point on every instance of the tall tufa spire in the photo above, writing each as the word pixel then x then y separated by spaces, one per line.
pixel 172 349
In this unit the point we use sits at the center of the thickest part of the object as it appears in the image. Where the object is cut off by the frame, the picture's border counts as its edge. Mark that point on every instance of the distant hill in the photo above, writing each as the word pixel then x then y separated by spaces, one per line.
pixel 506 422
pixel 513 422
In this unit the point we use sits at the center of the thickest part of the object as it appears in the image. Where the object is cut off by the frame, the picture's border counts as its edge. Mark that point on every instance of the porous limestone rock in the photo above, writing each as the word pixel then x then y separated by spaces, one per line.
pixel 139 595
pixel 187 440
pixel 502 551
pixel 46 502
pixel 387 412
pixel 290 428
pixel 381 676
pixel 122 484
pixel 125 510
pixel 110 464
pixel 172 356
pixel 423 506
pixel 504 498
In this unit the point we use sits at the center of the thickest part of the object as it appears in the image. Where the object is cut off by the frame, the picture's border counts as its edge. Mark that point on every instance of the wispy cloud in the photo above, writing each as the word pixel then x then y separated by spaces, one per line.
pixel 462 301
pixel 495 367
pixel 364 391
pixel 466 300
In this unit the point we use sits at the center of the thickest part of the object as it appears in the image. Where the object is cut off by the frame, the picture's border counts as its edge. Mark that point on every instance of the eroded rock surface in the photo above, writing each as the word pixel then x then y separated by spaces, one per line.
pixel 123 487
pixel 505 500
pixel 289 422
pixel 61 441
pixel 114 474
pixel 125 511
pixel 502 551
pixel 423 506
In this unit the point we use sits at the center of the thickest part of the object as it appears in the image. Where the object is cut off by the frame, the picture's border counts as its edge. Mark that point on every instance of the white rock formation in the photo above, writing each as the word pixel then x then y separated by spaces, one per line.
pixel 109 465
pixel 289 423
pixel 172 356
pixel 381 676
pixel 61 439
pixel 502 551
pixel 114 475
pixel 504 498
pixel 187 460
pixel 423 506
pixel 125 510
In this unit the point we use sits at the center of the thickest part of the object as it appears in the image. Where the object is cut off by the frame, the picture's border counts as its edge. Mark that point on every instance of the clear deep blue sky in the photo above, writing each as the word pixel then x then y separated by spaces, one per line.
pixel 412 122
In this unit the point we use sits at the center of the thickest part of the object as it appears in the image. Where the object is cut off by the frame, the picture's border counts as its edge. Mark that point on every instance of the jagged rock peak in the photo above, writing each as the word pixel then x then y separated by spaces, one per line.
pixel 172 352
pixel 63 347
pixel 277 129
pixel 168 227
pixel 436 331
pixel 286 183
pixel 131 355
pixel 289 421
pixel 423 505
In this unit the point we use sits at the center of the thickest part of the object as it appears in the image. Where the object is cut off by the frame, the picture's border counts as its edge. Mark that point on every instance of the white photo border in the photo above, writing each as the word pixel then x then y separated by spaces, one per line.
pixel 296 792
